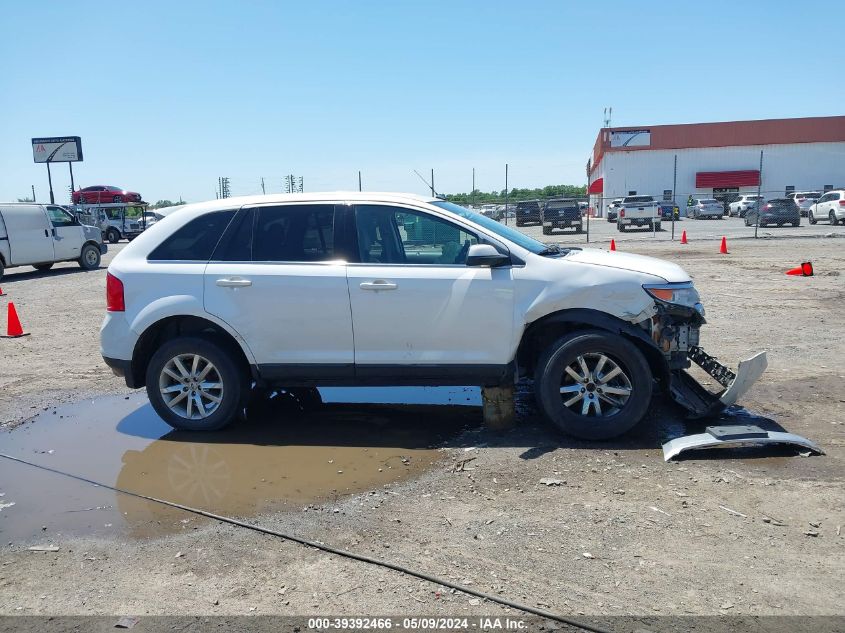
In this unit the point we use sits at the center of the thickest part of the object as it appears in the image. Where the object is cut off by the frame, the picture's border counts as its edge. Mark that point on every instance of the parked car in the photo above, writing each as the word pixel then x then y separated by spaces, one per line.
pixel 104 193
pixel 805 199
pixel 585 208
pixel 562 213
pixel 613 210
pixel 224 294
pixel 830 206
pixel 777 211
pixel 638 211
pixel 40 235
pixel 738 207
pixel 705 208
pixel 529 211
pixel 669 210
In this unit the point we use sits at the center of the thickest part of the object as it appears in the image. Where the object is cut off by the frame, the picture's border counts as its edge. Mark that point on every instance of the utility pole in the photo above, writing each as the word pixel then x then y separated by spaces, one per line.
pixel 359 180
pixel 33 192
pixel 472 192
pixel 433 194
pixel 506 194
pixel 223 187
pixel 70 166
pixel 674 195
pixel 758 202
pixel 262 186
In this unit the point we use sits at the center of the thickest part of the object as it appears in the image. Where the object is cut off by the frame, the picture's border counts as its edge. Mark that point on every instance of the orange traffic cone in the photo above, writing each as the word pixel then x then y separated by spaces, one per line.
pixel 723 249
pixel 612 244
pixel 684 237
pixel 2 294
pixel 13 327
pixel 804 270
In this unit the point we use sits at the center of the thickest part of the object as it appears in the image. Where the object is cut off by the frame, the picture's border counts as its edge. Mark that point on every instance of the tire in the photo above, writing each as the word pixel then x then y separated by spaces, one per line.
pixel 811 218
pixel 634 377
pixel 42 267
pixel 547 230
pixel 2 269
pixel 620 227
pixel 231 384
pixel 657 227
pixel 518 223
pixel 113 236
pixel 89 259
pixel 117 199
pixel 309 398
pixel 796 224
pixel 579 228
pixel 833 220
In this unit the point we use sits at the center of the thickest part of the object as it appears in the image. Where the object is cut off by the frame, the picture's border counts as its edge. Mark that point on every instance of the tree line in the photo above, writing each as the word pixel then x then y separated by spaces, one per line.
pixel 516 194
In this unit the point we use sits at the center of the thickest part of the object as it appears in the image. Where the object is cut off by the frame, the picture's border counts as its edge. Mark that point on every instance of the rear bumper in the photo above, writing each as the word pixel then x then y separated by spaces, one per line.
pixel 639 221
pixel 562 224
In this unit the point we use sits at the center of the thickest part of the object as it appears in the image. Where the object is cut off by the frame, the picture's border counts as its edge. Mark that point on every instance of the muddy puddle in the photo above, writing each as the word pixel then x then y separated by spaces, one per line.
pixel 280 457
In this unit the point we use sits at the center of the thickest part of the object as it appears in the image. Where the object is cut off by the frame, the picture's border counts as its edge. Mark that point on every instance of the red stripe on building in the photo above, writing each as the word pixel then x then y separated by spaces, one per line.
pixel 597 186
pixel 724 179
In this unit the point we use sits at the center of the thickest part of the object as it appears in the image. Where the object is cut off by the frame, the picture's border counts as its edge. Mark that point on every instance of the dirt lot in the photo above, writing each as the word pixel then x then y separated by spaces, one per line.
pixel 622 533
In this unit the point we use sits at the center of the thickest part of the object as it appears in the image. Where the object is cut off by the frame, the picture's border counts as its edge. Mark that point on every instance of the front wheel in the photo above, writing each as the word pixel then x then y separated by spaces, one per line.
pixel 195 385
pixel 810 217
pixel 833 221
pixel 593 385
pixel 547 230
pixel 113 236
pixel 118 199
pixel 90 257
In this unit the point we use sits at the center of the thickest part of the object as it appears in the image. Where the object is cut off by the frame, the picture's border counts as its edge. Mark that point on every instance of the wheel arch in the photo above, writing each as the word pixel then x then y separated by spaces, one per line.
pixel 171 327
pixel 544 331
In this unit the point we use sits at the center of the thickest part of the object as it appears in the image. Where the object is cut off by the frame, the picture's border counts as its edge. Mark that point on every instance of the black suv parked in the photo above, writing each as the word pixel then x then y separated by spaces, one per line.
pixel 778 211
pixel 528 211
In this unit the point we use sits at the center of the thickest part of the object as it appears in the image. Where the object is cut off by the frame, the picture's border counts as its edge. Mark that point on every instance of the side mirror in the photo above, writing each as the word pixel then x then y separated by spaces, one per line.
pixel 486 256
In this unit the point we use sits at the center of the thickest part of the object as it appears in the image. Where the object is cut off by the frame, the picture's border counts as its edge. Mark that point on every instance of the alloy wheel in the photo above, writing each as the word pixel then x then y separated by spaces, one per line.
pixel 595 384
pixel 191 386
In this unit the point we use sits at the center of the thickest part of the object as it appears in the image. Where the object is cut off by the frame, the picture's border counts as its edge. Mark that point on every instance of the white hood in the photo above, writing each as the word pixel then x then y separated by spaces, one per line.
pixel 627 261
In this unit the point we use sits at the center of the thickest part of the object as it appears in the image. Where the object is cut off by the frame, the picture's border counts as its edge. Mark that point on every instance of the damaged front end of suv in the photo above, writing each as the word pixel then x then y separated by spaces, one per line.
pixel 674 329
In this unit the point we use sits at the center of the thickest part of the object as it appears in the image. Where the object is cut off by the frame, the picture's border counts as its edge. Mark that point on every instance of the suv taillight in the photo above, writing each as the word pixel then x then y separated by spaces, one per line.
pixel 114 294
pixel 842 203
pixel 621 213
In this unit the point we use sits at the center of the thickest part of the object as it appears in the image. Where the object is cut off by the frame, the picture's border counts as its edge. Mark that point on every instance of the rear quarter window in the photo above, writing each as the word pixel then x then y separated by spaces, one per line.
pixel 196 240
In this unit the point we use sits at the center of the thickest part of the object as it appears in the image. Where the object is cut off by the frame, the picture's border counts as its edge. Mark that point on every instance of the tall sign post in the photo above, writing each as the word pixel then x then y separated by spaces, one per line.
pixel 57 149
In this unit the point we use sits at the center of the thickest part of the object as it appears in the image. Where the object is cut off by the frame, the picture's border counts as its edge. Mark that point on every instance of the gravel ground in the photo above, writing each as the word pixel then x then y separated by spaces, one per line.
pixel 622 533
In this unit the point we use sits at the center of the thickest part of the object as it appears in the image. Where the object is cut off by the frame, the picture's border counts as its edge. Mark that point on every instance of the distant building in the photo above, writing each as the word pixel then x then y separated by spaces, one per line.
pixel 718 160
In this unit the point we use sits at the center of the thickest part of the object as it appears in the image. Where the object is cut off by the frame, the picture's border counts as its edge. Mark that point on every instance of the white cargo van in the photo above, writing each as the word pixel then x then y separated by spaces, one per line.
pixel 39 235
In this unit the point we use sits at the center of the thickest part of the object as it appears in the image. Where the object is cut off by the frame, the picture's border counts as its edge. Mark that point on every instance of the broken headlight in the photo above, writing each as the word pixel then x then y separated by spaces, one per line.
pixel 679 294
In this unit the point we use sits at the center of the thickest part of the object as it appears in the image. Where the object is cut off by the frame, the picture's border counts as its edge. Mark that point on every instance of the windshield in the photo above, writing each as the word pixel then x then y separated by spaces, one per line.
pixel 815 195
pixel 498 228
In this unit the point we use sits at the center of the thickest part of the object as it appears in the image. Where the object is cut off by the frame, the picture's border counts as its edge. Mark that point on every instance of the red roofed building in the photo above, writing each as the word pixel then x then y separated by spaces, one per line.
pixel 718 160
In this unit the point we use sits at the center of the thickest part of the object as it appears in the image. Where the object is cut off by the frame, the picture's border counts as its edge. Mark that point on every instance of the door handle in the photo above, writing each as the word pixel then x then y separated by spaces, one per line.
pixel 234 282
pixel 379 284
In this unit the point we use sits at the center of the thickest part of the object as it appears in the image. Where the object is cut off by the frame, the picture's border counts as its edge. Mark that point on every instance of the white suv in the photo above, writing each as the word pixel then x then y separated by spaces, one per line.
pixel 299 291
pixel 830 207
pixel 745 201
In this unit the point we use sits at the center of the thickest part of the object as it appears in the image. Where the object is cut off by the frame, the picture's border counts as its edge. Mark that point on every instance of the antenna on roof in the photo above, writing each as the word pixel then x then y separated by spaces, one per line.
pixel 608 113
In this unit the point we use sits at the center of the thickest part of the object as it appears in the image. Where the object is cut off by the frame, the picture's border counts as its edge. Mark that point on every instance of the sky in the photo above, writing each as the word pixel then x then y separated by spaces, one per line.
pixel 169 96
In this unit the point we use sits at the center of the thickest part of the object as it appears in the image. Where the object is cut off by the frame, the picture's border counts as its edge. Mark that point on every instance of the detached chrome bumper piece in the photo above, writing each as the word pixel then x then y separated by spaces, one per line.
pixel 734 436
pixel 702 403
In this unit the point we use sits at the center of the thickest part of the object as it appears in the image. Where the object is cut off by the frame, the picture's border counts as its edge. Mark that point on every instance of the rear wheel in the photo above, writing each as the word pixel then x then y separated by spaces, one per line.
pixel 810 217
pixel 195 385
pixel 833 221
pixel 118 199
pixel 620 228
pixel 90 257
pixel 547 230
pixel 796 223
pixel 593 385
pixel 113 235
pixel 43 266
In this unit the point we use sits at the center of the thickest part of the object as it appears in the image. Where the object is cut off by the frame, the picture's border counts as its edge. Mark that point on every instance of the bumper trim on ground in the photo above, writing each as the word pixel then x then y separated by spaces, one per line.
pixel 732 437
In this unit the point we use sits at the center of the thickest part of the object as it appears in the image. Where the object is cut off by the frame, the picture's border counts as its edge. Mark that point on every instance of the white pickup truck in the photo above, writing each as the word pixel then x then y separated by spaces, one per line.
pixel 638 211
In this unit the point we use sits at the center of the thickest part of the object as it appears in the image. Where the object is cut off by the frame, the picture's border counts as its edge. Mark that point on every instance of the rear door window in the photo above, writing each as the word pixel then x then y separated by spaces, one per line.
pixel 294 233
pixel 196 240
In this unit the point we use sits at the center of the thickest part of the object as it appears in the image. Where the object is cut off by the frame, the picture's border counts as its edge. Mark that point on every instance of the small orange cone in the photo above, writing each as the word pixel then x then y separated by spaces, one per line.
pixel 2 294
pixel 612 244
pixel 804 270
pixel 13 327
pixel 723 249
pixel 684 237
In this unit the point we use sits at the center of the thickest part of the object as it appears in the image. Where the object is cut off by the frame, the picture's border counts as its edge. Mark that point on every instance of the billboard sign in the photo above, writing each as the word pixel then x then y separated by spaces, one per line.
pixel 57 149
pixel 630 138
